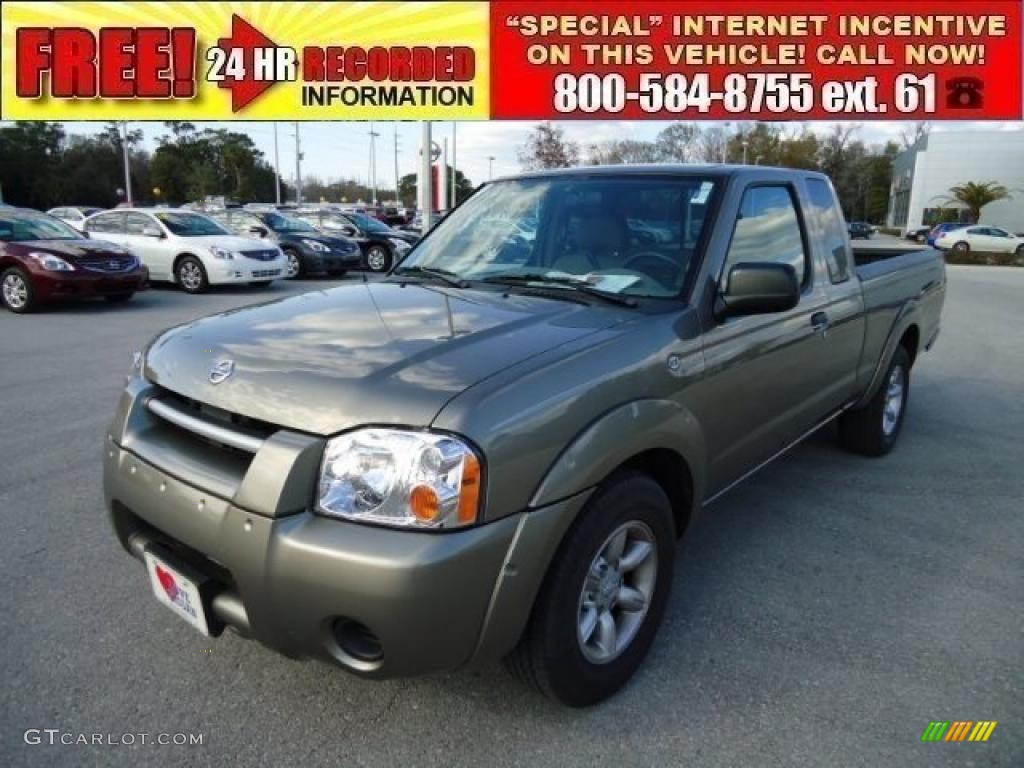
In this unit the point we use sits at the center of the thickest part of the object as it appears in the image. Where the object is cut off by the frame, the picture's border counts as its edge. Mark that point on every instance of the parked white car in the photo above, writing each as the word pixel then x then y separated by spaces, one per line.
pixel 980 238
pixel 189 249
pixel 74 215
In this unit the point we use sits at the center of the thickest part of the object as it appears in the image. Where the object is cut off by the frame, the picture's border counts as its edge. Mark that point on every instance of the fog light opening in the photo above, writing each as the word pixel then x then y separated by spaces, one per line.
pixel 357 641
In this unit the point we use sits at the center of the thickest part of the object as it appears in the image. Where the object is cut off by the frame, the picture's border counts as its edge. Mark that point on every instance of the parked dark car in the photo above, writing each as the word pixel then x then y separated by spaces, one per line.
pixel 381 245
pixel 918 234
pixel 42 259
pixel 859 229
pixel 308 249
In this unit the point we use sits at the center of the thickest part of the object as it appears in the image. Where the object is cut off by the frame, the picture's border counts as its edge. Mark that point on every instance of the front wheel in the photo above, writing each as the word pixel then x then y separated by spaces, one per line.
pixel 293 267
pixel 192 275
pixel 603 597
pixel 873 429
pixel 378 258
pixel 17 291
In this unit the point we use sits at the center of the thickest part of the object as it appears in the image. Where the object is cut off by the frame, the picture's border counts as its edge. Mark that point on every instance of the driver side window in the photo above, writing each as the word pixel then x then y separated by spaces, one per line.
pixel 768 229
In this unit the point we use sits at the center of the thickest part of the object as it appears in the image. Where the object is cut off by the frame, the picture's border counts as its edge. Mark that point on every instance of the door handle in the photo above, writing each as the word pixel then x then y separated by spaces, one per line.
pixel 819 320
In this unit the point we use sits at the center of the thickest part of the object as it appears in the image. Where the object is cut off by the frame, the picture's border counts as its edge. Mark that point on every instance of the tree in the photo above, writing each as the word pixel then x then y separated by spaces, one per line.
pixel 677 143
pixel 623 151
pixel 30 163
pixel 408 191
pixel 547 147
pixel 975 195
pixel 919 131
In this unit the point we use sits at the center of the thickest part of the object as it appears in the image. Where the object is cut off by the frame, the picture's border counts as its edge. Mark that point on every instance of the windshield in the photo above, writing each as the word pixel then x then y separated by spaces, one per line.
pixel 190 224
pixel 15 229
pixel 280 223
pixel 635 236
pixel 368 223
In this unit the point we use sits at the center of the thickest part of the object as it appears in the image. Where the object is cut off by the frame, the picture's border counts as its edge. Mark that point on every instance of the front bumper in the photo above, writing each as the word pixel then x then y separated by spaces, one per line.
pixel 60 285
pixel 296 581
pixel 243 270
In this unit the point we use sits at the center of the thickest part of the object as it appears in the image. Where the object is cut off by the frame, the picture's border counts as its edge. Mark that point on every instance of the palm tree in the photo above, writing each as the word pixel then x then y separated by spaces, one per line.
pixel 975 195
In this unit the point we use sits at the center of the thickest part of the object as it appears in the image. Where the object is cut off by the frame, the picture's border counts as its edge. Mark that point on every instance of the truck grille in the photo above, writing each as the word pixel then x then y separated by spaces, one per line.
pixel 214 426
pixel 269 255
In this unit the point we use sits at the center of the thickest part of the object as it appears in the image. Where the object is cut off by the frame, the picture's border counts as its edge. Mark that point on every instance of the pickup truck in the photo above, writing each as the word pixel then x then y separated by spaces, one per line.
pixel 492 451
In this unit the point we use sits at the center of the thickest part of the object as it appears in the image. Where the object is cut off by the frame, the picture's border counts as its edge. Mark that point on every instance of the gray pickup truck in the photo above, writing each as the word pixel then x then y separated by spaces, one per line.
pixel 492 452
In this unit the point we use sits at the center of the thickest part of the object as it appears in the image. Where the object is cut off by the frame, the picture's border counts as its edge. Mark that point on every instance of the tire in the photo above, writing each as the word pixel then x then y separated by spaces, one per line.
pixel 16 291
pixel 920 238
pixel 378 258
pixel 1020 250
pixel 260 283
pixel 961 247
pixel 293 268
pixel 191 275
pixel 553 655
pixel 119 298
pixel 873 429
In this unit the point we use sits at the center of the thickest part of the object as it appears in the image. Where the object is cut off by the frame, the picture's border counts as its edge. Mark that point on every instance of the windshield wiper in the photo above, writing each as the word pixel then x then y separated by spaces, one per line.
pixel 540 280
pixel 444 275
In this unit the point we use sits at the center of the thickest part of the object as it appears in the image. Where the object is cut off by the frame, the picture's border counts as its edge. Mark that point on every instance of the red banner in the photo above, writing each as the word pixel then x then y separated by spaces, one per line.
pixel 769 60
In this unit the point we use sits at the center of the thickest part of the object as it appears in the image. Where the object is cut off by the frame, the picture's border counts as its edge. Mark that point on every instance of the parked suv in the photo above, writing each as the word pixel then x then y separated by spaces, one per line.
pixel 42 258
pixel 382 246
pixel 188 248
pixel 307 249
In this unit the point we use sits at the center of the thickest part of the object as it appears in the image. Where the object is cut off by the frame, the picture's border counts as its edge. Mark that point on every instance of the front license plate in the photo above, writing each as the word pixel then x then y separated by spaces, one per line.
pixel 177 591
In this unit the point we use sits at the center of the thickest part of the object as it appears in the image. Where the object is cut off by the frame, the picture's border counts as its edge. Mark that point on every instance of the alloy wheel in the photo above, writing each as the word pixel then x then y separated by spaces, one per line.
pixel 377 259
pixel 191 276
pixel 15 291
pixel 894 392
pixel 292 269
pixel 617 592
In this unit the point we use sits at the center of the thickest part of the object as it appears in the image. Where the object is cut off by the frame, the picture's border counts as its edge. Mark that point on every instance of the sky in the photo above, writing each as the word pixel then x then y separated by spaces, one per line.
pixel 341 150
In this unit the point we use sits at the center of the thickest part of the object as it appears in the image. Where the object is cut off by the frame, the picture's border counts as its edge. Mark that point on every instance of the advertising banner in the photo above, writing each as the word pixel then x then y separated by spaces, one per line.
pixel 511 59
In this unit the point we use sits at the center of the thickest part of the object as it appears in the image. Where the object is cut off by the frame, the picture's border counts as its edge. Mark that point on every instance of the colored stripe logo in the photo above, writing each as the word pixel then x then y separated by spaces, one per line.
pixel 958 730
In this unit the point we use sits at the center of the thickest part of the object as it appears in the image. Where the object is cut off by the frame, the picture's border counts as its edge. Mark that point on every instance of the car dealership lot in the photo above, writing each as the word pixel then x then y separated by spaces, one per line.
pixel 822 614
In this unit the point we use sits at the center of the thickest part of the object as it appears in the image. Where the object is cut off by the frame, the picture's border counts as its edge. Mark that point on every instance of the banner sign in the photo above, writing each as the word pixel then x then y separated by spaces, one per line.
pixel 513 59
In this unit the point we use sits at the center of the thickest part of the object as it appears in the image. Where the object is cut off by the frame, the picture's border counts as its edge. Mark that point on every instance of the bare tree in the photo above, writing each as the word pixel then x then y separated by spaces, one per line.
pixel 547 147
pixel 623 151
pixel 678 143
pixel 916 133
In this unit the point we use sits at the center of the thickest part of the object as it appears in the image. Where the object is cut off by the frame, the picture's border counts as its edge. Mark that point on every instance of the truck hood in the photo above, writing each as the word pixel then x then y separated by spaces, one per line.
pixel 372 353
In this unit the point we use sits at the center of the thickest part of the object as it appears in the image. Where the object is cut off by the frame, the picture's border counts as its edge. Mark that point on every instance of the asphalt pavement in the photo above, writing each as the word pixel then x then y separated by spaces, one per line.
pixel 821 614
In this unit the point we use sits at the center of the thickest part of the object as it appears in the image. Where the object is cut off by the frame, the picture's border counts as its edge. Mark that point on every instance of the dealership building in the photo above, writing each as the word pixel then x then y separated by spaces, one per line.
pixel 923 175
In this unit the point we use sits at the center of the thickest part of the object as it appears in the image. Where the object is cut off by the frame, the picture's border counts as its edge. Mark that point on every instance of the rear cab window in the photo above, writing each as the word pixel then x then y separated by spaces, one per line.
pixel 823 212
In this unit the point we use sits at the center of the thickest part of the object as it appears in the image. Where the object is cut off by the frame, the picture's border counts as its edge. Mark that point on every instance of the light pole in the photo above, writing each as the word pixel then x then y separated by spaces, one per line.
pixel 396 160
pixel 452 203
pixel 127 165
pixel 745 145
pixel 490 167
pixel 725 143
pixel 425 191
pixel 298 166
pixel 373 164
pixel 277 169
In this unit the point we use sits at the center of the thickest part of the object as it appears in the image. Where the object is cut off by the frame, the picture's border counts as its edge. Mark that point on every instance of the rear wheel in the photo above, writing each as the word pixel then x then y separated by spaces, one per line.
pixel 961 247
pixel 603 597
pixel 293 268
pixel 17 291
pixel 1020 250
pixel 192 275
pixel 873 429
pixel 378 258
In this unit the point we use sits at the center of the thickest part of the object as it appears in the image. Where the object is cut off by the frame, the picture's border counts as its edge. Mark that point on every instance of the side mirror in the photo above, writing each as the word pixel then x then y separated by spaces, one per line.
pixel 349 231
pixel 757 288
pixel 258 230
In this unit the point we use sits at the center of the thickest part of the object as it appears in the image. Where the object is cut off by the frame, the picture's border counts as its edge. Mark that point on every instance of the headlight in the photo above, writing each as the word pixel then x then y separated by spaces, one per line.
pixel 221 253
pixel 316 245
pixel 396 477
pixel 400 245
pixel 51 263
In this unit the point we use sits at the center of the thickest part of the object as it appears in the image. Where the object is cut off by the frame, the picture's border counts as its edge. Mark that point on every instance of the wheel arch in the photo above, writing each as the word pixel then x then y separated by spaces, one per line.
pixel 657 437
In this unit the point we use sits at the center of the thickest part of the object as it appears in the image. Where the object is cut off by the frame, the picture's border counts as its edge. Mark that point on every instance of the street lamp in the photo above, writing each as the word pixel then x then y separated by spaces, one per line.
pixel 745 145
pixel 490 167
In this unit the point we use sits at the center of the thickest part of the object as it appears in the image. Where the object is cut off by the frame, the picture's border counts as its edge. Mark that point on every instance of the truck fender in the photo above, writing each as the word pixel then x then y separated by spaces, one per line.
pixel 619 435
pixel 905 318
